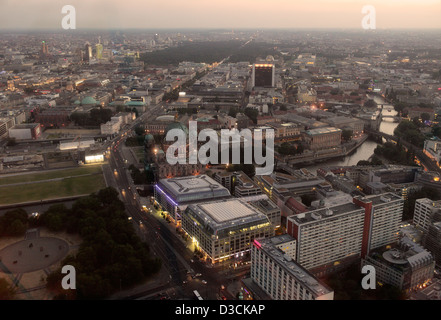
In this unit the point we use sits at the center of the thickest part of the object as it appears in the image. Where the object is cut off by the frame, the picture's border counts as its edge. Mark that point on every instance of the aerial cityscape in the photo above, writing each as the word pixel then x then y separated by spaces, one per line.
pixel 118 180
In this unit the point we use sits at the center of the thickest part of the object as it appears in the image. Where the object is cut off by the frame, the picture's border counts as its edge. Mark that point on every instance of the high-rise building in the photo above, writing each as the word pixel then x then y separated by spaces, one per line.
pixel 424 211
pixel 99 51
pixel 275 271
pixel 44 50
pixel 263 75
pixel 329 238
pixel 88 52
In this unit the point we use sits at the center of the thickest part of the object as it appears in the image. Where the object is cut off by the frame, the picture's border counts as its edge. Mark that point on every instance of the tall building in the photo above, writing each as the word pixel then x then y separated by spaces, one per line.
pixel 424 212
pixel 44 50
pixel 275 271
pixel 263 75
pixel 87 52
pixel 330 238
pixel 225 229
pixel 432 238
pixel 99 51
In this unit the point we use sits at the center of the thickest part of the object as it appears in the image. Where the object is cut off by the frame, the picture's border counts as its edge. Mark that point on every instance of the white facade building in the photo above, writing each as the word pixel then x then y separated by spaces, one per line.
pixel 274 270
pixel 424 210
pixel 327 238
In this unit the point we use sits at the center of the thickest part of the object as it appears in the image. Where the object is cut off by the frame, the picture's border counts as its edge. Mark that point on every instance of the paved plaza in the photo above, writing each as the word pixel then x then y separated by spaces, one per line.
pixel 32 254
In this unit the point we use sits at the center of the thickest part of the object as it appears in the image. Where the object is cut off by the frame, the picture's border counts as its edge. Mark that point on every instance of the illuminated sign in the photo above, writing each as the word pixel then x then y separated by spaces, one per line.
pixel 94 159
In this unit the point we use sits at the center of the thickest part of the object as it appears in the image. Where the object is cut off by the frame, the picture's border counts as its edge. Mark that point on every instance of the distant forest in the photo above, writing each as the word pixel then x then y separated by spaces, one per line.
pixel 208 52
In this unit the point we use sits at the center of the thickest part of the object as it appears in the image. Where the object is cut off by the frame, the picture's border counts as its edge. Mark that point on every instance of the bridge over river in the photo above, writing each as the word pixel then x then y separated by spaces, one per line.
pixel 428 163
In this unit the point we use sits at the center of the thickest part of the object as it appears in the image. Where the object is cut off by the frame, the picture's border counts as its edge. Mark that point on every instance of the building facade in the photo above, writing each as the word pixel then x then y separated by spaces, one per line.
pixel 225 229
pixel 329 238
pixel 323 138
pixel 174 194
pixel 275 271
pixel 424 212
pixel 408 266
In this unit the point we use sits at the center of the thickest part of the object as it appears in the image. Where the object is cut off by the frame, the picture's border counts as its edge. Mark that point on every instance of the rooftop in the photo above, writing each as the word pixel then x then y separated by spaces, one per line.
pixel 227 210
pixel 226 214
pixel 192 188
pixel 269 246
pixel 326 130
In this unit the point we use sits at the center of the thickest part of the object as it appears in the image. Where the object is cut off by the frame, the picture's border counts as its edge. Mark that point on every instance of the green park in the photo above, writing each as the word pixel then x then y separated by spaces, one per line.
pixel 50 184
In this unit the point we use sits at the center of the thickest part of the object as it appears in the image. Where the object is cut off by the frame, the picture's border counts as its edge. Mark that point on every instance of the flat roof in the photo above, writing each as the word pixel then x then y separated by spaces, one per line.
pixel 325 130
pixel 227 210
pixel 226 214
pixel 191 188
pixel 325 213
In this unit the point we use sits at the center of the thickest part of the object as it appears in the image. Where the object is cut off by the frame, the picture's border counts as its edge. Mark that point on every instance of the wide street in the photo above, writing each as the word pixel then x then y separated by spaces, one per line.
pixel 186 273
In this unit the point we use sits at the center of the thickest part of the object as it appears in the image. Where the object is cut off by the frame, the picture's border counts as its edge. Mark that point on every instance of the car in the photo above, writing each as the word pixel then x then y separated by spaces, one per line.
pixel 204 282
pixel 198 274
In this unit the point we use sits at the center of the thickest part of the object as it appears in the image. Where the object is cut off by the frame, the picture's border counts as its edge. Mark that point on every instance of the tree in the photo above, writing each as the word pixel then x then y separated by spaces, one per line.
pixel 139 130
pixel 11 142
pixel 436 131
pixel 346 135
pixel 14 223
pixel 370 104
pixel 252 114
pixel 409 131
pixel 425 116
pixel 111 255
pixel 232 112
pixel 7 291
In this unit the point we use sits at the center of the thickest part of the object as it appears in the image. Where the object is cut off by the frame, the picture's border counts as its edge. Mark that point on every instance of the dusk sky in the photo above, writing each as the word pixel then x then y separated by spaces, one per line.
pixel 229 14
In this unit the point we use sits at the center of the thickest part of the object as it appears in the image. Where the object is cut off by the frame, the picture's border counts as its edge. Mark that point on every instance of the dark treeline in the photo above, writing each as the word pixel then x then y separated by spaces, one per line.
pixel 93 118
pixel 207 52
pixel 111 255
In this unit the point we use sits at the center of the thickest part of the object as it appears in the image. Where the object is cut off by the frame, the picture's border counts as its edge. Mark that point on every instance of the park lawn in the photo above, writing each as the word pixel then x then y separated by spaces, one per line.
pixel 39 176
pixel 53 189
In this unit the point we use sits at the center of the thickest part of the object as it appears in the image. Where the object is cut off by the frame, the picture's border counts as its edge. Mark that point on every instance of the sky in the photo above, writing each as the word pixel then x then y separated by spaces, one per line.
pixel 224 14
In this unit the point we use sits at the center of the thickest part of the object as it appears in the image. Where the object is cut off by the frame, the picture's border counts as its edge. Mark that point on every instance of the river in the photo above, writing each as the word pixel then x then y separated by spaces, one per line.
pixel 366 150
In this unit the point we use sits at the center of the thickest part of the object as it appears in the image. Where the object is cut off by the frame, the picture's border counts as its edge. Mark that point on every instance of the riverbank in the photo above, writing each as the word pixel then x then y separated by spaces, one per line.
pixel 325 155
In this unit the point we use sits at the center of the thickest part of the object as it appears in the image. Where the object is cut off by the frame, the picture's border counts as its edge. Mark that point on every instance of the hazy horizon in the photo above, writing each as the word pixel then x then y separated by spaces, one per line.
pixel 227 14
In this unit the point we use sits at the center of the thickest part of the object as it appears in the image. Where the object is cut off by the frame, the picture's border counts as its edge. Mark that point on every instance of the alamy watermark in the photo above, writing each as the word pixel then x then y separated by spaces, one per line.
pixel 69 20
pixel 370 18
pixel 69 281
pixel 369 280
pixel 208 153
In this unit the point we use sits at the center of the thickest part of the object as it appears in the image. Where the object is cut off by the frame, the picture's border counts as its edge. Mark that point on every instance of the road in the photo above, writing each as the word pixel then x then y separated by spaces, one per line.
pixel 162 238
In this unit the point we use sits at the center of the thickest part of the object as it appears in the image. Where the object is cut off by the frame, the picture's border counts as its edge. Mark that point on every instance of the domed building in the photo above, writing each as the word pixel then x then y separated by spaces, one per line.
pixel 86 101
pixel 177 125
pixel 269 58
